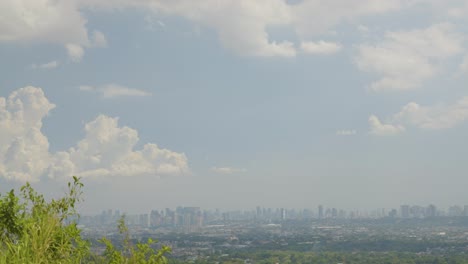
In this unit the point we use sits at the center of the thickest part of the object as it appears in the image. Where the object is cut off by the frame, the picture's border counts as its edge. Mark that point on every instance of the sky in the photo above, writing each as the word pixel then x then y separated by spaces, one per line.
pixel 354 104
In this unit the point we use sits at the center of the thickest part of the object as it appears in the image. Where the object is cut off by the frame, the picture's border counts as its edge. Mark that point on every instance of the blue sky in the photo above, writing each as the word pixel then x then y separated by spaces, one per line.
pixel 233 104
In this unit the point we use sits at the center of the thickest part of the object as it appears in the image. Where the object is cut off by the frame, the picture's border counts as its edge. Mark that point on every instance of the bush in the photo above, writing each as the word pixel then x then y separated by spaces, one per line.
pixel 33 230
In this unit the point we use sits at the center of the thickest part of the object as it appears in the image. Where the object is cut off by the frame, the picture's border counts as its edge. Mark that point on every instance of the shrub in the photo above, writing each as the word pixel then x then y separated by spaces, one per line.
pixel 33 230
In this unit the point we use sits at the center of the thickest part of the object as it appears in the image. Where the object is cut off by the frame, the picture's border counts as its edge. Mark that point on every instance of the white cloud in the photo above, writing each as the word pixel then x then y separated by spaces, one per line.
pixel 406 59
pixel 346 132
pixel 226 170
pixel 315 17
pixel 23 148
pixel 377 128
pixel 363 29
pixel 320 47
pixel 99 40
pixel 440 116
pixel 44 21
pixel 114 90
pixel 152 23
pixel 107 150
pixel 49 65
pixel 241 25
pixel 75 52
pixel 457 12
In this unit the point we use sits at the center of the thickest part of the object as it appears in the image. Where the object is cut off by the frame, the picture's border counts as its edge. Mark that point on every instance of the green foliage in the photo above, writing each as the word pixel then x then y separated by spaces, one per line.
pixel 142 253
pixel 33 230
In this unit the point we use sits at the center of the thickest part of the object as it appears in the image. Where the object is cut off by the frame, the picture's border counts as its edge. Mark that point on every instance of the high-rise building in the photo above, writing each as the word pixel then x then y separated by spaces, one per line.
pixel 259 212
pixel 405 211
pixel 143 220
pixel 156 218
pixel 431 211
pixel 320 211
pixel 455 211
pixel 334 213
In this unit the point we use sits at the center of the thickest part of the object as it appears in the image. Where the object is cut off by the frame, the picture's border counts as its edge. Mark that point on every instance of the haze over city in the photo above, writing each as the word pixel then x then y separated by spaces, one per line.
pixel 235 104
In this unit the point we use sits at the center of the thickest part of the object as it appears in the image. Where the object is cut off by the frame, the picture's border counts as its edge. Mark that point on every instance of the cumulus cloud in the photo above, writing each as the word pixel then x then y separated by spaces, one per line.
pixel 314 17
pixel 457 12
pixel 44 21
pixel 24 150
pixel 406 59
pixel 152 23
pixel 114 90
pixel 379 129
pixel 49 65
pixel 99 40
pixel 320 47
pixel 75 52
pixel 107 150
pixel 439 116
pixel 346 132
pixel 226 170
pixel 241 25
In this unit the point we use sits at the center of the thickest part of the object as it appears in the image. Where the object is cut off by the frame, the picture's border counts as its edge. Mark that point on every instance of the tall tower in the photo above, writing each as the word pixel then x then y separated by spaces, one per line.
pixel 405 212
pixel 320 212
pixel 283 214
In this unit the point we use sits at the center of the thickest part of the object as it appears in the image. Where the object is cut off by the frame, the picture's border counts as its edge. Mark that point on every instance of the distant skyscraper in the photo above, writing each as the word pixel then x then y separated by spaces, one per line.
pixel 431 211
pixel 283 214
pixel 320 211
pixel 455 211
pixel 405 212
pixel 259 212
pixel 143 220
pixel 334 213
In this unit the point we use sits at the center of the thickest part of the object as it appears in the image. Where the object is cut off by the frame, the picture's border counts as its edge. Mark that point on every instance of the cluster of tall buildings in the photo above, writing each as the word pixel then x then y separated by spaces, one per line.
pixel 192 219
pixel 189 219
pixel 416 211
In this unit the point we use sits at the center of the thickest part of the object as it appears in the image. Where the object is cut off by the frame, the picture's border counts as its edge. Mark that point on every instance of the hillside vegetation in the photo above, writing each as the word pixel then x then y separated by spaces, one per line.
pixel 33 230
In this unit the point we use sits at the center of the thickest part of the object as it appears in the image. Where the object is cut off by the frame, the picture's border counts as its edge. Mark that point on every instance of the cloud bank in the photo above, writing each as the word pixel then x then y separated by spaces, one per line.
pixel 436 117
pixel 46 66
pixel 241 25
pixel 405 59
pixel 107 150
pixel 114 90
pixel 320 47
